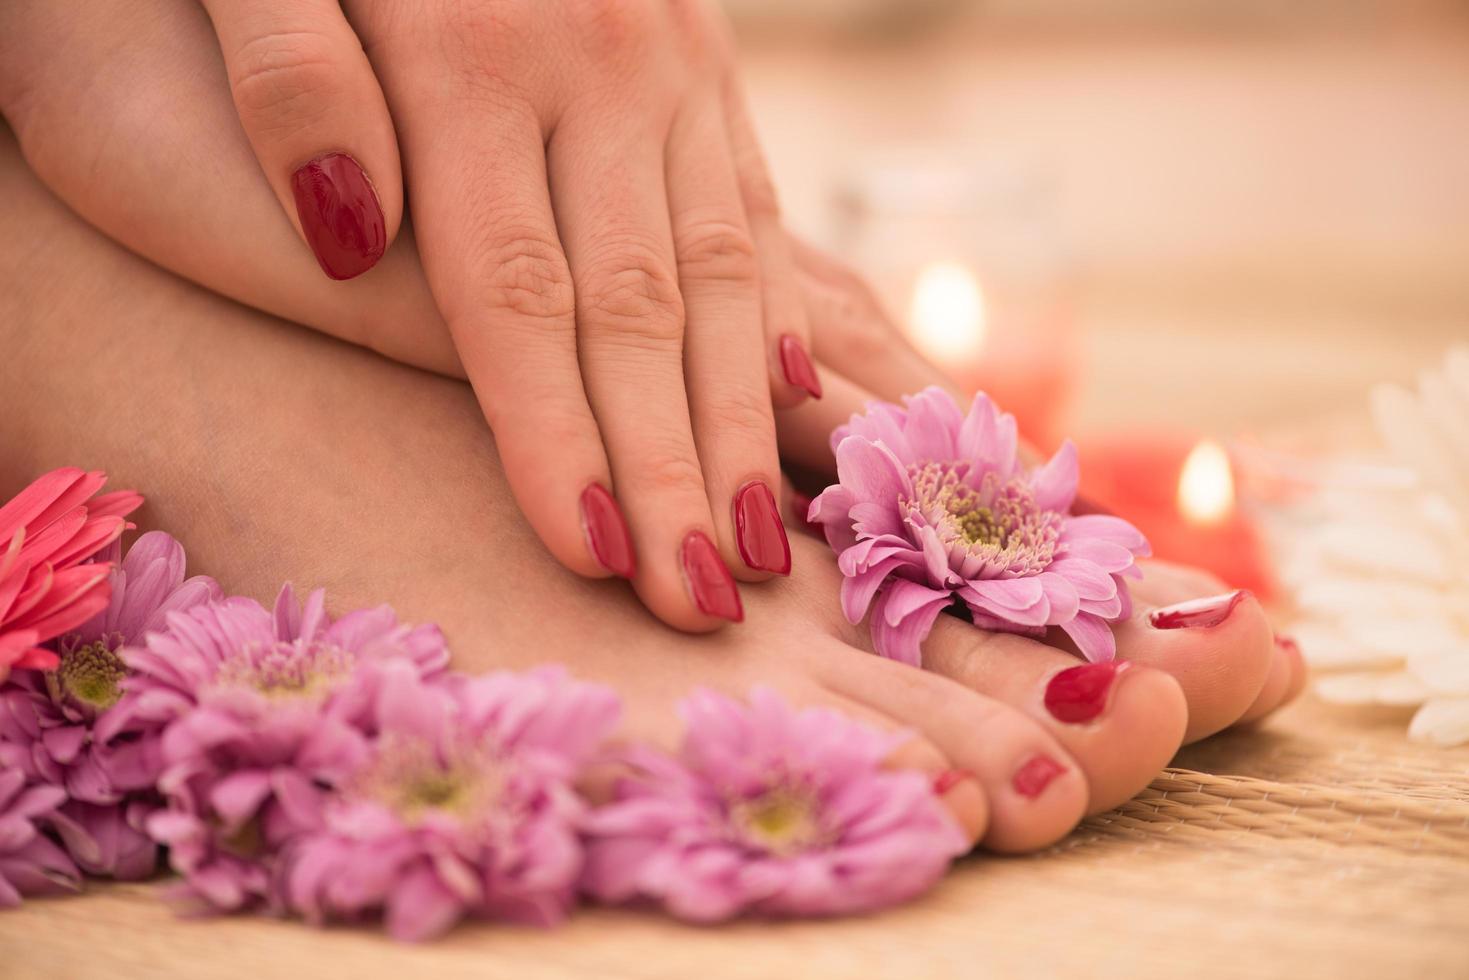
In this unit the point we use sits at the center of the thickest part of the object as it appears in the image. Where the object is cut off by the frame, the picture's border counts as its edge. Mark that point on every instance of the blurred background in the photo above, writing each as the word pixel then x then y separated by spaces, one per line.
pixel 1206 217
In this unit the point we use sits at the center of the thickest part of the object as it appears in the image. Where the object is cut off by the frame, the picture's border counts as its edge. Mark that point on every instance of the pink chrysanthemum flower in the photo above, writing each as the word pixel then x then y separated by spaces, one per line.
pixel 934 508
pixel 47 532
pixel 56 727
pixel 772 810
pixel 260 712
pixel 464 806
pixel 30 864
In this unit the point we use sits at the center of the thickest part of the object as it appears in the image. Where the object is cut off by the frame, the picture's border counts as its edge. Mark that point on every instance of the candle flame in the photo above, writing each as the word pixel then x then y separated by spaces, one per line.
pixel 946 317
pixel 1206 485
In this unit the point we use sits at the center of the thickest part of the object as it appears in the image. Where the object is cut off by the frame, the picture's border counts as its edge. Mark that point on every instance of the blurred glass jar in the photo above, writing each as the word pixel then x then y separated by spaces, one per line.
pixel 968 254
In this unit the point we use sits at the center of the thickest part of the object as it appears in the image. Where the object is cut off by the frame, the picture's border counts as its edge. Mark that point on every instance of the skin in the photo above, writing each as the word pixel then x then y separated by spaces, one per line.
pixel 101 94
pixel 276 454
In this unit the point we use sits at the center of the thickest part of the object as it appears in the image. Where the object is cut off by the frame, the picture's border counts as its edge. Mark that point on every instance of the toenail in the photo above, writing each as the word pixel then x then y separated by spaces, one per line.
pixel 1198 613
pixel 1288 645
pixel 1078 695
pixel 950 778
pixel 1031 779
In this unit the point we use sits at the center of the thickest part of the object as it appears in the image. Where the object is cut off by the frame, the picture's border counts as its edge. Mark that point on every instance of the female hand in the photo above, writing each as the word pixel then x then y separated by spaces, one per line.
pixel 599 233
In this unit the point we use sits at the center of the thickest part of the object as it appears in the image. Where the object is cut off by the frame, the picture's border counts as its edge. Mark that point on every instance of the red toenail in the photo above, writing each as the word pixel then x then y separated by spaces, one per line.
pixel 1288 645
pixel 948 779
pixel 1032 778
pixel 1198 613
pixel 1079 694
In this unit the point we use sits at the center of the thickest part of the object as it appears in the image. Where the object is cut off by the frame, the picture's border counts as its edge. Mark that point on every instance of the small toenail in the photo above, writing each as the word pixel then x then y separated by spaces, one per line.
pixel 1031 779
pixel 1288 645
pixel 1198 613
pixel 1078 695
pixel 950 778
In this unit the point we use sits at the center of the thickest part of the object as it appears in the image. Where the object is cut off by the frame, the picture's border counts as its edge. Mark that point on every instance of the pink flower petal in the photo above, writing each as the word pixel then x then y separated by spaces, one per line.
pixel 1093 637
pixel 1054 484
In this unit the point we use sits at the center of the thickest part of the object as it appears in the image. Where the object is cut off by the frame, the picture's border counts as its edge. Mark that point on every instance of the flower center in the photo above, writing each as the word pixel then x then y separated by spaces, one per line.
pixel 412 779
pixel 997 521
pixel 780 820
pixel 287 670
pixel 91 674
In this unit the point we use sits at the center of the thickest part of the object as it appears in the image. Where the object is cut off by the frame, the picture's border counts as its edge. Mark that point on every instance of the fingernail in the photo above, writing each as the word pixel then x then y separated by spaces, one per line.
pixel 606 530
pixel 340 215
pixel 710 583
pixel 796 364
pixel 948 779
pixel 758 530
pixel 1032 778
pixel 1078 695
pixel 801 506
pixel 1198 613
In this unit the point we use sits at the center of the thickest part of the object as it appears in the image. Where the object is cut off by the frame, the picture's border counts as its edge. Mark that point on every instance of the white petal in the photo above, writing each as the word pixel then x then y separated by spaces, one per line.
pixel 1443 721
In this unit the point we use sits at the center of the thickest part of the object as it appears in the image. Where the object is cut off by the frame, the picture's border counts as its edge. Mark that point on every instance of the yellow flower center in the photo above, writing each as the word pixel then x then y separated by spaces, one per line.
pixel 91 674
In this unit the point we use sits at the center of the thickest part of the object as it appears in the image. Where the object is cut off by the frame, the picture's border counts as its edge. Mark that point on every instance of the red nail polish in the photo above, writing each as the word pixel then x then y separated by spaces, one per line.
pixel 759 533
pixel 1288 645
pixel 796 364
pixel 710 583
pixel 1032 778
pixel 340 215
pixel 1198 613
pixel 948 779
pixel 1079 694
pixel 606 530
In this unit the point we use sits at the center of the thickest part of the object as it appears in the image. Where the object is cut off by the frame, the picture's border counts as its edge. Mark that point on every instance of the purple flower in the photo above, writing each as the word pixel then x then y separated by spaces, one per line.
pixel 934 508
pixel 30 864
pixel 770 809
pixel 463 805
pixel 55 726
pixel 259 714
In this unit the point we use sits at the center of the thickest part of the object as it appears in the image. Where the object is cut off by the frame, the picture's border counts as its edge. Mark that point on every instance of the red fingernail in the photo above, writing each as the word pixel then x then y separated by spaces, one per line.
pixel 1032 778
pixel 1198 613
pixel 606 530
pixel 710 583
pixel 796 364
pixel 340 215
pixel 1079 694
pixel 758 530
pixel 950 778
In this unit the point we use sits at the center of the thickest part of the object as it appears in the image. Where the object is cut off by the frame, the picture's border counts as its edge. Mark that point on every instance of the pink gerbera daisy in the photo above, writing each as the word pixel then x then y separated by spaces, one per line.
pixel 47 532
pixel 464 806
pixel 773 810
pixel 933 510
pixel 260 713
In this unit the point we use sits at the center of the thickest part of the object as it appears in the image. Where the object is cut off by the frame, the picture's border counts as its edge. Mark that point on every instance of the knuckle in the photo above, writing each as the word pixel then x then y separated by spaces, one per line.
pixel 717 250
pixel 673 473
pixel 637 298
pixel 291 75
pixel 527 275
pixel 609 25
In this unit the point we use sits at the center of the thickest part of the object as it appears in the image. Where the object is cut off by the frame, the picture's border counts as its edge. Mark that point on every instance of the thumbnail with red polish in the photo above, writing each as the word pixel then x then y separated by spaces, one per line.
pixel 759 533
pixel 340 215
pixel 1198 613
pixel 712 587
pixel 1078 695
pixel 607 533
pixel 796 364
pixel 1031 779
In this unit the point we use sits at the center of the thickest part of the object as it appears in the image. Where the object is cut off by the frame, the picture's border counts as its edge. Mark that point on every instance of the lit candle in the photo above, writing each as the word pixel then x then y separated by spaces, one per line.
pixel 1024 368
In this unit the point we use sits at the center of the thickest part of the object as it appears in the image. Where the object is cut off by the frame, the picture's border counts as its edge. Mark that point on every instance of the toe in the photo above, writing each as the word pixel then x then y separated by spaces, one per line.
pixel 1035 791
pixel 1121 722
pixel 1220 650
pixel 1286 678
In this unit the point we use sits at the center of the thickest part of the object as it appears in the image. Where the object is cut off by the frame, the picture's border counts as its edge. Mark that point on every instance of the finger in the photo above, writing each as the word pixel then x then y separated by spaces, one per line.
pixel 852 333
pixel 494 261
pixel 729 391
pixel 783 314
pixel 608 184
pixel 804 432
pixel 316 118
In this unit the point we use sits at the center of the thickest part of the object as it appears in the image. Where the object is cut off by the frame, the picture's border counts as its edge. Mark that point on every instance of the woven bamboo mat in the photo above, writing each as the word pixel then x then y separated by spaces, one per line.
pixel 1322 844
